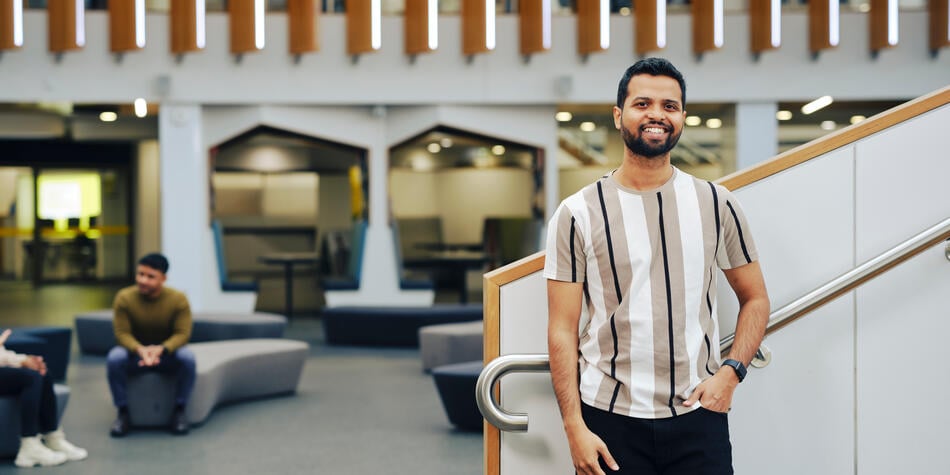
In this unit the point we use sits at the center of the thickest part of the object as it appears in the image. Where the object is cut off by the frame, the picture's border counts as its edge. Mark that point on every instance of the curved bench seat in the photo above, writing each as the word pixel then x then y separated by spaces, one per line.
pixel 227 371
pixel 390 326
pixel 95 335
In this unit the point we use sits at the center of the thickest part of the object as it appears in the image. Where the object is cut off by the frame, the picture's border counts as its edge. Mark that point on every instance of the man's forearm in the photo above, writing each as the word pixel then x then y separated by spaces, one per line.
pixel 750 329
pixel 562 349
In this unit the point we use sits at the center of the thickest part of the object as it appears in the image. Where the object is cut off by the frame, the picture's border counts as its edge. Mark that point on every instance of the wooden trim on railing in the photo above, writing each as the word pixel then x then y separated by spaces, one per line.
pixel 939 11
pixel 838 139
pixel 302 26
pixel 535 262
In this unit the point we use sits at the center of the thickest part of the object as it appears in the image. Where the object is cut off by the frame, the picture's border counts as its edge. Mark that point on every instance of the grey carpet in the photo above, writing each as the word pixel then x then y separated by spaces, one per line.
pixel 357 411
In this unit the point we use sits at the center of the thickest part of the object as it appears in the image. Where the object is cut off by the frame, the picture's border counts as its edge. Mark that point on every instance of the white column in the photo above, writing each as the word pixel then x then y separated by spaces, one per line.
pixel 184 198
pixel 756 133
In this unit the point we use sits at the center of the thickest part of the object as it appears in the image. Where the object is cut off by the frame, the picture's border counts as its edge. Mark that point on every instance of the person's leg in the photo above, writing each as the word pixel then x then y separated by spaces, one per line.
pixel 27 385
pixel 117 371
pixel 698 444
pixel 629 440
pixel 53 436
pixel 182 364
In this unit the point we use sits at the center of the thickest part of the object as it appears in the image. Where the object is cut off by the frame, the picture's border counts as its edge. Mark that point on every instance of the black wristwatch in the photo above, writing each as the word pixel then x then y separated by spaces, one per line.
pixel 738 366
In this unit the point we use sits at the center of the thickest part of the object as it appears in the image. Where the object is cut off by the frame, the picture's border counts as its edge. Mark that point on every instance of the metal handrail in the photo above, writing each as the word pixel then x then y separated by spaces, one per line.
pixel 518 422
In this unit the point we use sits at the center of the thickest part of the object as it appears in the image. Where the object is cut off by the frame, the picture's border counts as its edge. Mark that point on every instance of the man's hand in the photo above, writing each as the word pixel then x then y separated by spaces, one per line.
pixel 715 393
pixel 3 336
pixel 150 355
pixel 586 451
pixel 35 363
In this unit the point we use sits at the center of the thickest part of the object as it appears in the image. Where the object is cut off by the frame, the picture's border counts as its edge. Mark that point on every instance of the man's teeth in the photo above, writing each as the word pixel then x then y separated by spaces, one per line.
pixel 655 130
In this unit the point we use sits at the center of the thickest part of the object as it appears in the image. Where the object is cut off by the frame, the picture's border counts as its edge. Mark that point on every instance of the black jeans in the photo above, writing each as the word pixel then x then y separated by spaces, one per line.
pixel 695 443
pixel 37 399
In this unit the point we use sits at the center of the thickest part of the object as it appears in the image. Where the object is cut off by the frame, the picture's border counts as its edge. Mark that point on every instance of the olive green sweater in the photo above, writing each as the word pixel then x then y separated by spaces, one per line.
pixel 139 320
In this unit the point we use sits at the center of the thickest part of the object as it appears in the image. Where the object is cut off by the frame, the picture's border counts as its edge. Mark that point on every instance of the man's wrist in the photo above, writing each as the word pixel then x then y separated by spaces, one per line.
pixel 736 367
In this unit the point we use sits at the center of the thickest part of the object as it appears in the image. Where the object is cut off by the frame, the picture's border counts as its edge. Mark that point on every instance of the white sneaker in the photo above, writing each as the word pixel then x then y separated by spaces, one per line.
pixel 57 441
pixel 33 452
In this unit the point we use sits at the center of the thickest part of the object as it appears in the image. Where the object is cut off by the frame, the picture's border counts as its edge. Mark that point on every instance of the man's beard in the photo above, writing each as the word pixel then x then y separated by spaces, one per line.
pixel 640 147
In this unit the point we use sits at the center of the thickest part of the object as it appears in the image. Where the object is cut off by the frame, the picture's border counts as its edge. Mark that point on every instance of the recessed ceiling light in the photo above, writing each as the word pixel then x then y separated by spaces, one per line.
pixel 714 123
pixel 108 116
pixel 588 126
pixel 693 120
pixel 498 150
pixel 141 108
pixel 857 118
pixel 563 116
pixel 783 115
pixel 817 104
pixel 434 148
pixel 828 125
pixel 864 7
pixel 446 142
pixel 625 11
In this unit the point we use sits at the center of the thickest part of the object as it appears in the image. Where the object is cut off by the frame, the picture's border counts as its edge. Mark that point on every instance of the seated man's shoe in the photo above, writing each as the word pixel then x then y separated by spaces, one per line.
pixel 121 425
pixel 179 424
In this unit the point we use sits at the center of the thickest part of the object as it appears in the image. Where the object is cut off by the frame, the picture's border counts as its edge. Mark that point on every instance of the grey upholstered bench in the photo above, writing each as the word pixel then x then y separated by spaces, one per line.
pixel 95 335
pixel 390 326
pixel 226 371
pixel 456 385
pixel 449 343
pixel 10 419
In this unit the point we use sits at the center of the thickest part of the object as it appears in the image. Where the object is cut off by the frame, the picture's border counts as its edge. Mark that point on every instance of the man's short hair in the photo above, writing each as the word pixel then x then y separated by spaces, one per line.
pixel 155 261
pixel 653 67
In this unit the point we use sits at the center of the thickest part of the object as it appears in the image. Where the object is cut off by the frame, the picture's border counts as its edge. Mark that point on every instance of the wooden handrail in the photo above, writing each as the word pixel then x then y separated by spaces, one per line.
pixel 522 268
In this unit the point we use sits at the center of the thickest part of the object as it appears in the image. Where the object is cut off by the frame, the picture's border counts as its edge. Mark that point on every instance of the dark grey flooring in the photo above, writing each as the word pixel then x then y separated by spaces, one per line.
pixel 357 411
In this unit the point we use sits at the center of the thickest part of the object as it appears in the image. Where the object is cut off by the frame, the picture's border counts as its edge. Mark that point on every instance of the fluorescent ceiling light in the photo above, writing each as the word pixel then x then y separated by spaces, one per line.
pixel 717 23
pixel 857 118
pixel 81 22
pixel 604 24
pixel 108 116
pixel 489 24
pixel 588 126
pixel 18 24
pixel 828 125
pixel 434 148
pixel 693 120
pixel 498 150
pixel 200 23
pixel 833 23
pixel 140 23
pixel 783 115
pixel 714 123
pixel 624 11
pixel 661 23
pixel 433 24
pixel 563 116
pixel 259 24
pixel 375 24
pixel 817 104
pixel 446 142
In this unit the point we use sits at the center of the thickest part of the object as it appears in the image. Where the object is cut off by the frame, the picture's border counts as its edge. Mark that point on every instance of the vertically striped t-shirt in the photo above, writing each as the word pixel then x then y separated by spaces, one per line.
pixel 647 260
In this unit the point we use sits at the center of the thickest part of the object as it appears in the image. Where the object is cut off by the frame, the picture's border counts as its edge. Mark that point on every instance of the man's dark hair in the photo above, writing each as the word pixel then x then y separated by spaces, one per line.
pixel 653 67
pixel 155 261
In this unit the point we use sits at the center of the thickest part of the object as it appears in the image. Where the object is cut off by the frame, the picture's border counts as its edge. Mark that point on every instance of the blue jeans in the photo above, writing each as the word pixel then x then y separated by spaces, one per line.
pixel 121 363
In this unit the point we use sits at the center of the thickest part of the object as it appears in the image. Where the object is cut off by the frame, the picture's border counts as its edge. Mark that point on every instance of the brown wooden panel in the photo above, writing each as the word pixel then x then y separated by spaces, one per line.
pixel 819 25
pixel 939 24
pixel 63 31
pixel 535 18
pixel 416 19
pixel 589 26
pixel 7 16
pixel 122 25
pixel 760 25
pixel 704 25
pixel 241 21
pixel 359 26
pixel 474 27
pixel 647 18
pixel 302 26
pixel 184 26
pixel 880 30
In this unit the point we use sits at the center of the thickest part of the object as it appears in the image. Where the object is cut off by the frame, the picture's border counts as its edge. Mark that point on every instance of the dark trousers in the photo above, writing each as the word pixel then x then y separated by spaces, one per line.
pixel 37 400
pixel 120 363
pixel 695 443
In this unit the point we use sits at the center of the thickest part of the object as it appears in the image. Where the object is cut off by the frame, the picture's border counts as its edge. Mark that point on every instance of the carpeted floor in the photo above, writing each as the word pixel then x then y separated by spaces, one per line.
pixel 357 411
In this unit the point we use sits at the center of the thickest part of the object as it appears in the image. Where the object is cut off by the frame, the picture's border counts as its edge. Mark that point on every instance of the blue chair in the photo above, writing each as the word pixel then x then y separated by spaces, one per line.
pixel 407 280
pixel 354 266
pixel 226 284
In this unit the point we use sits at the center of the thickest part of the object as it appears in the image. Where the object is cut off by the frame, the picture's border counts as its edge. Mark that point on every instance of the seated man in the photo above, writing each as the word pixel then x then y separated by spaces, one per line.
pixel 152 325
pixel 25 376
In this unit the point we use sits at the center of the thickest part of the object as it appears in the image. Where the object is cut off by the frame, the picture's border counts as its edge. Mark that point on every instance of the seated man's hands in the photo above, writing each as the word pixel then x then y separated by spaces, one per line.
pixel 35 363
pixel 150 355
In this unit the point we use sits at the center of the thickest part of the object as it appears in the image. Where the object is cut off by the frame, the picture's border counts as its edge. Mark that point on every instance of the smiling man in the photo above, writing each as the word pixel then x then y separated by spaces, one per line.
pixel 152 324
pixel 638 376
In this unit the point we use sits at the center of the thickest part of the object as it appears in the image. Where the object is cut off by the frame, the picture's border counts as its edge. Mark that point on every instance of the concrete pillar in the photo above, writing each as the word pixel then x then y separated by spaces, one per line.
pixel 756 133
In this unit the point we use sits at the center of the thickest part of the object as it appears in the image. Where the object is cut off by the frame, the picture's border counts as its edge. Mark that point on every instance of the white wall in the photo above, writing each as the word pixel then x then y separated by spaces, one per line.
pixel 851 387
pixel 330 76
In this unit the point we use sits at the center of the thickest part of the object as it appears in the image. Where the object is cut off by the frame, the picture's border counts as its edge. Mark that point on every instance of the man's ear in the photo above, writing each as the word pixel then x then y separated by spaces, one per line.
pixel 618 115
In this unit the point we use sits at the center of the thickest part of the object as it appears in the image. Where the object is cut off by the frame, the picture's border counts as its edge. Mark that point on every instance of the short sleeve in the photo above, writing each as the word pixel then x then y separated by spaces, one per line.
pixel 564 257
pixel 736 247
